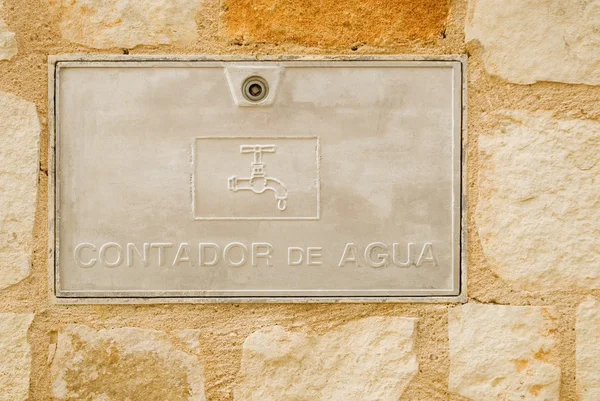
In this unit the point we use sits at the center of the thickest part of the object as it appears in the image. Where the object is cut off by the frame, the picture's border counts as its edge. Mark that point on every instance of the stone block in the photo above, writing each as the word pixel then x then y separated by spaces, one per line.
pixel 334 23
pixel 15 359
pixel 8 43
pixel 366 360
pixel 504 353
pixel 538 40
pixel 537 212
pixel 19 167
pixel 127 364
pixel 588 350
pixel 104 24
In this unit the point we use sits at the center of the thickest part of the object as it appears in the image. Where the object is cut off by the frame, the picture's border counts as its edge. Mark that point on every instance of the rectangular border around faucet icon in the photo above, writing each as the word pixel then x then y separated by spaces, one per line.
pixel 256 178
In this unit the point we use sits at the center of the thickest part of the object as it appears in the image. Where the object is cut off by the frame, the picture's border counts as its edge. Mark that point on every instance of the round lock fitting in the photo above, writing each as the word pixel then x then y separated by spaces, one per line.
pixel 255 89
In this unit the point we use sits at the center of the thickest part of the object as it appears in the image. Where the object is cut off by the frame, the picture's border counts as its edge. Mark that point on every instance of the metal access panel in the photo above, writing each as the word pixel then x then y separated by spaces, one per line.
pixel 189 179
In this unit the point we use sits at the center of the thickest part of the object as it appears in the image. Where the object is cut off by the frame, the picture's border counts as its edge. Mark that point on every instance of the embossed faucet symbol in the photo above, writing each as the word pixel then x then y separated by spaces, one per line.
pixel 258 181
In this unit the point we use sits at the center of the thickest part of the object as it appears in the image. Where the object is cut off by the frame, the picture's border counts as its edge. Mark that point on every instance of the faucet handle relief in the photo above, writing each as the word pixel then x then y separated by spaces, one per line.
pixel 257 149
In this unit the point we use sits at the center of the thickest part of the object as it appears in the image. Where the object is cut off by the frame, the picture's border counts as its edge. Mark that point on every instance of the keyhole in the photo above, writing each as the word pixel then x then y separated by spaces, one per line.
pixel 255 89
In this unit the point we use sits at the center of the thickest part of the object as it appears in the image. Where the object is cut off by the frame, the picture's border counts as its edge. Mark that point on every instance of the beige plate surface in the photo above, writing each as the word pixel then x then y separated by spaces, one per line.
pixel 343 184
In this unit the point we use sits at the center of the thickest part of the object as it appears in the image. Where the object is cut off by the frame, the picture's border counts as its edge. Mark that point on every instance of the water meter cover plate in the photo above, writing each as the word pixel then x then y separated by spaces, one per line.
pixel 308 180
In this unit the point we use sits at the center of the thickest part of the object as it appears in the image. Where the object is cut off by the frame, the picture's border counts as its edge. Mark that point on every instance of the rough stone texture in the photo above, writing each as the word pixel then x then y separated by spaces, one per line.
pixel 366 360
pixel 226 326
pixel 588 350
pixel 335 23
pixel 127 364
pixel 104 24
pixel 539 201
pixel 503 353
pixel 19 163
pixel 8 43
pixel 538 40
pixel 15 356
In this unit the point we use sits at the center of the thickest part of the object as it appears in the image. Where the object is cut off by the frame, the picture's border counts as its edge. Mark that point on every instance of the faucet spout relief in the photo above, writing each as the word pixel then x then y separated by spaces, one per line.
pixel 260 185
pixel 281 194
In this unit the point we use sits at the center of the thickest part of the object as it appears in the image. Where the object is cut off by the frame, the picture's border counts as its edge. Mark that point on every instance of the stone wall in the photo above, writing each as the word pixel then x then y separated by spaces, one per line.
pixel 531 327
